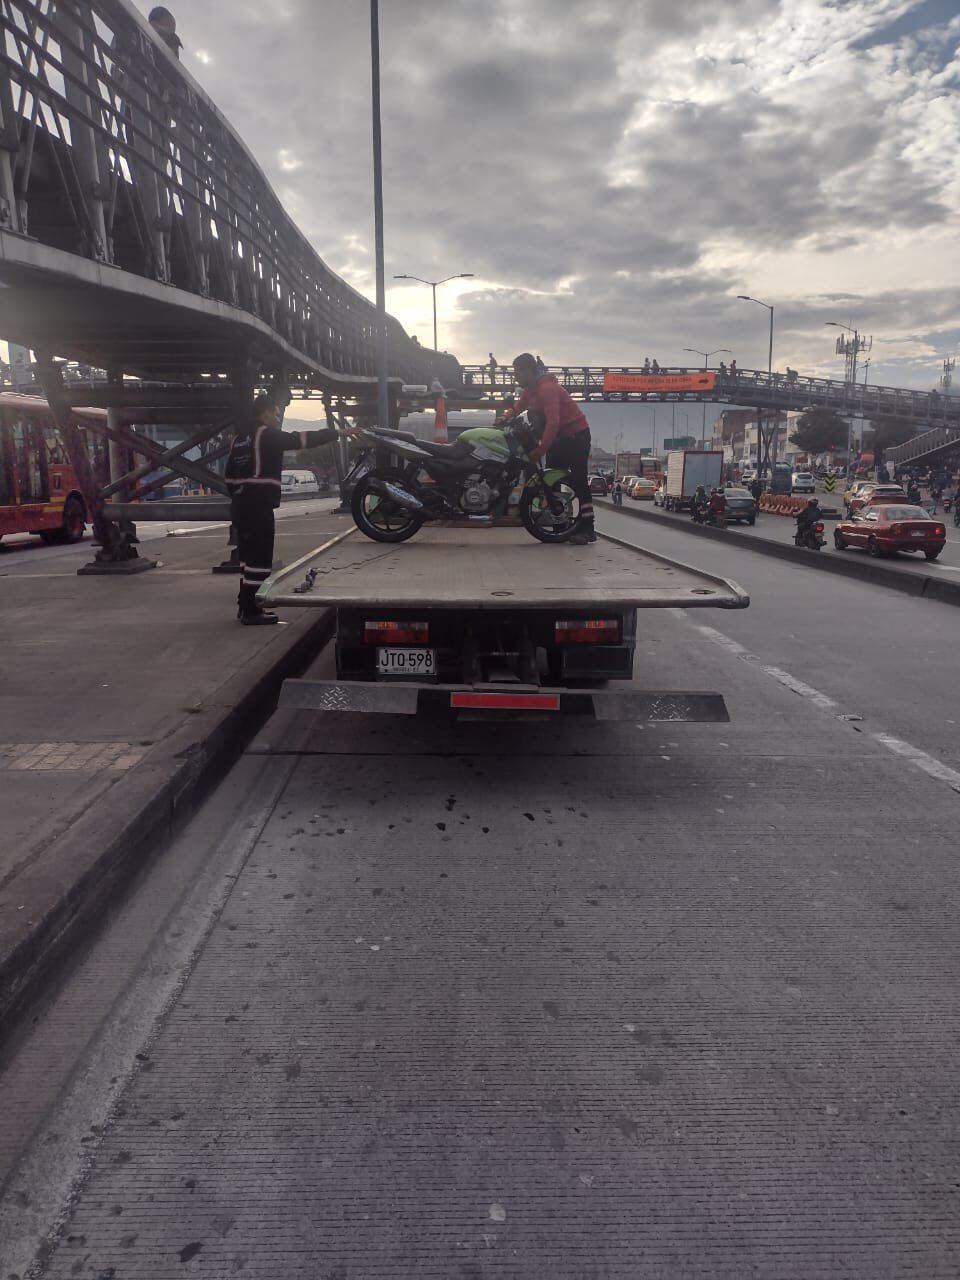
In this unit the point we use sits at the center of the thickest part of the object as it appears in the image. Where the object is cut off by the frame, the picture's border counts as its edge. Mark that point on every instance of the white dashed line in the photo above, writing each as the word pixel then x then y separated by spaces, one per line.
pixel 922 760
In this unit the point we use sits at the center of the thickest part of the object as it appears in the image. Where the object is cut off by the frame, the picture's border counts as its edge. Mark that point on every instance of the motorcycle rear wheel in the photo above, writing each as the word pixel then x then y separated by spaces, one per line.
pixel 536 518
pixel 378 517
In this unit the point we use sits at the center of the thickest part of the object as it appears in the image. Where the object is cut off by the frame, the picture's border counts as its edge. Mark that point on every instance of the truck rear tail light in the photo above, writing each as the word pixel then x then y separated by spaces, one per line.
pixel 588 631
pixel 505 701
pixel 397 632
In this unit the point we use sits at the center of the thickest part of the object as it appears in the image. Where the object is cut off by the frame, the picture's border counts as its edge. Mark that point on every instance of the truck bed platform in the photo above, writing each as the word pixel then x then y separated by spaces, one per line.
pixel 491 569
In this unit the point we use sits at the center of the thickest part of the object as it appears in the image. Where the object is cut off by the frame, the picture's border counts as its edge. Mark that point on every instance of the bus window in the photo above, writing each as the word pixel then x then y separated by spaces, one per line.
pixel 6 468
pixel 31 471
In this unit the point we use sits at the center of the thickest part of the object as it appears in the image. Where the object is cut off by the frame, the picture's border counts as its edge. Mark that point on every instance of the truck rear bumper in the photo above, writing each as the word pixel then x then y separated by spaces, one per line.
pixel 407 699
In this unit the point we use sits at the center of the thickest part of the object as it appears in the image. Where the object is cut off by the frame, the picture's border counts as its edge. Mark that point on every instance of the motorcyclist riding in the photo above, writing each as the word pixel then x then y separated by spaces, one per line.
pixel 718 505
pixel 806 519
pixel 617 493
pixel 699 504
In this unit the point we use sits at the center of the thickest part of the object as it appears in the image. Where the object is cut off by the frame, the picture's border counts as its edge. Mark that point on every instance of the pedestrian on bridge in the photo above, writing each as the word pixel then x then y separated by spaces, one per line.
pixel 165 25
pixel 253 477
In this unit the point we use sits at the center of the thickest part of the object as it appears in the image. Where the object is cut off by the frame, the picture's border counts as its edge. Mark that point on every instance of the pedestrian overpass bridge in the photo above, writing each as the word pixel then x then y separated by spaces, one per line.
pixel 139 236
pixel 747 388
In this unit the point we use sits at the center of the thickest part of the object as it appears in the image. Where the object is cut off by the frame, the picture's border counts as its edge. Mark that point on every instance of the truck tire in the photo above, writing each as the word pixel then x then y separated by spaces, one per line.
pixel 396 523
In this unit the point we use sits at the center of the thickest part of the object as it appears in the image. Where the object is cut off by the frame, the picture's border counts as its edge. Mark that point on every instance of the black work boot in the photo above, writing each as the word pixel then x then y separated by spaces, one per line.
pixel 585 534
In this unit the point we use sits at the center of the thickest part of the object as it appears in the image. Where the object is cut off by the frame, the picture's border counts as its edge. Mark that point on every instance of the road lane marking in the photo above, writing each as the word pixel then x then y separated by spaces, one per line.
pixel 921 760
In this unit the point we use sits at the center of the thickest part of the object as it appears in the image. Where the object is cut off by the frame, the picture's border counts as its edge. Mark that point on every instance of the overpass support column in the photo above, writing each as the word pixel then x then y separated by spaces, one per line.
pixel 117 550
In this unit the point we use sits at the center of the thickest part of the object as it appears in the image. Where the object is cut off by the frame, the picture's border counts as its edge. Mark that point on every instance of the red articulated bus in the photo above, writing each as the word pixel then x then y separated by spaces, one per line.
pixel 39 492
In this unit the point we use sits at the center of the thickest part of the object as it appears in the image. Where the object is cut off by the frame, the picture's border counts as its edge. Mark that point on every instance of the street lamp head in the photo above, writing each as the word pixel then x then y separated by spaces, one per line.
pixel 466 275
pixel 744 297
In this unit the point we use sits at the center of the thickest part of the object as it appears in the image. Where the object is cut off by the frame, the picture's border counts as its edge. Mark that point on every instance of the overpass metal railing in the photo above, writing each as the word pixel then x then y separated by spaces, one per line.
pixel 748 387
pixel 109 150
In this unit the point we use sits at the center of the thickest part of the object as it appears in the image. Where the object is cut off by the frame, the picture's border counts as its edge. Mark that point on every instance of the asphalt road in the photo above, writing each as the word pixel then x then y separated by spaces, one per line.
pixel 564 1000
pixel 782 528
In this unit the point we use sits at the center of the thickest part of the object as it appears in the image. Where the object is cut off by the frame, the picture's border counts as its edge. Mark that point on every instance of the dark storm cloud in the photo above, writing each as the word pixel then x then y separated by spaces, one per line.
pixel 605 170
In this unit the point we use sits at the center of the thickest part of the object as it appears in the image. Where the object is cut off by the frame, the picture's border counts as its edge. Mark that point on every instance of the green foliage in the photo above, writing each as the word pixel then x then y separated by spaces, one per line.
pixel 820 430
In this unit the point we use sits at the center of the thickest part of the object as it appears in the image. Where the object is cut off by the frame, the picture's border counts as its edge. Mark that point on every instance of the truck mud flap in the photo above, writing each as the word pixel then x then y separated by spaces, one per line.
pixel 652 706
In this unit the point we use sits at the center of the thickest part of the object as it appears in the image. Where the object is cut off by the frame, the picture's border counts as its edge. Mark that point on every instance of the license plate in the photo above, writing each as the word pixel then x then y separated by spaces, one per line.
pixel 407 662
pixel 918 533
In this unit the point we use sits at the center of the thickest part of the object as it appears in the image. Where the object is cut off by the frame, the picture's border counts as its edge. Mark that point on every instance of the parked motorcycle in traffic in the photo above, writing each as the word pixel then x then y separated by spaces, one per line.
pixel 472 479
pixel 811 537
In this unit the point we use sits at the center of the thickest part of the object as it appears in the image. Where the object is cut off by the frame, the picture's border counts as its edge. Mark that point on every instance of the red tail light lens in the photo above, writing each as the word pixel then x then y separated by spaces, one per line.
pixel 397 632
pixel 940 531
pixel 896 530
pixel 819 527
pixel 588 631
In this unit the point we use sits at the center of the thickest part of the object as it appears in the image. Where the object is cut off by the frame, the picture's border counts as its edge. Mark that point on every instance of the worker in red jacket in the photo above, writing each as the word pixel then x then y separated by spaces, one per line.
pixel 566 436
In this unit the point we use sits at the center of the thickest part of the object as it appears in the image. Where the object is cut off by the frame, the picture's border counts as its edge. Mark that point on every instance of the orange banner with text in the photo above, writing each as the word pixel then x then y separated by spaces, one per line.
pixel 662 382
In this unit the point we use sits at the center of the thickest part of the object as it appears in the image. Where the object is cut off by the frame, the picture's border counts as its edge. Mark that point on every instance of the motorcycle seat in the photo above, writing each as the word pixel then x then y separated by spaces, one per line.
pixel 451 452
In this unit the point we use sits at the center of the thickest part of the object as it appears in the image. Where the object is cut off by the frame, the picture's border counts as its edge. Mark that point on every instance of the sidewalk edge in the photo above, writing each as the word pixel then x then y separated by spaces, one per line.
pixel 78 877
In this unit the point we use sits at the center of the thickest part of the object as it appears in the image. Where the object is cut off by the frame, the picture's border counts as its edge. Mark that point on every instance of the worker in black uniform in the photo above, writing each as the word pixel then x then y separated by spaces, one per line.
pixel 253 478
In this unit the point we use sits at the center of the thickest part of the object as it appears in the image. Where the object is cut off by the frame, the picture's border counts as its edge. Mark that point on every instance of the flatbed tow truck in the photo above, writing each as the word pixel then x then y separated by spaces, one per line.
pixel 487 620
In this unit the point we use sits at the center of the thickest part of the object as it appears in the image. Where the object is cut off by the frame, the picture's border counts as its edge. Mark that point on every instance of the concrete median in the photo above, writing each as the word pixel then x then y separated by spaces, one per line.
pixel 902 578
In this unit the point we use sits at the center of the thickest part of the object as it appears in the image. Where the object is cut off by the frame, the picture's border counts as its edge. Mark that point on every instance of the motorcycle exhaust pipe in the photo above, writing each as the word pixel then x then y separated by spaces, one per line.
pixel 387 489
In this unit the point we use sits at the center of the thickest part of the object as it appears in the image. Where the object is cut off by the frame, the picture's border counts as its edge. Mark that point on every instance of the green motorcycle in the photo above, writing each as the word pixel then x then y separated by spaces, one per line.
pixel 399 483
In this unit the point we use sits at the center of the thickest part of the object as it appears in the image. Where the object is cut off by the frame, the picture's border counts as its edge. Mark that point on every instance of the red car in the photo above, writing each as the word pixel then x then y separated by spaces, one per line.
pixel 889 527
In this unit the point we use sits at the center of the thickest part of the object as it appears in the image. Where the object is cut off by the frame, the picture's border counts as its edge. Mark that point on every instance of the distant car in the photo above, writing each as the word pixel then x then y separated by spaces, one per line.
pixel 803 482
pixel 852 490
pixel 740 504
pixel 748 475
pixel 660 493
pixel 874 494
pixel 298 484
pixel 627 482
pixel 890 527
pixel 597 485
pixel 643 490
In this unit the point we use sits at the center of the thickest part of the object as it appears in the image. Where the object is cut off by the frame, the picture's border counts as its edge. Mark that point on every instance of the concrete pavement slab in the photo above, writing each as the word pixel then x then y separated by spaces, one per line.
pixel 118 698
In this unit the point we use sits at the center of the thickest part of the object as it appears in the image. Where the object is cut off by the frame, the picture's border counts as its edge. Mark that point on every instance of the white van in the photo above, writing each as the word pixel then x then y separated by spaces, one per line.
pixel 298 484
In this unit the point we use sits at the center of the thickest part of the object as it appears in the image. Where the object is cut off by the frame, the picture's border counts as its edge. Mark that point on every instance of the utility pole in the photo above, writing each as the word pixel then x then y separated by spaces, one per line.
pixel 706 358
pixel 383 402
pixel 763 449
pixel 461 275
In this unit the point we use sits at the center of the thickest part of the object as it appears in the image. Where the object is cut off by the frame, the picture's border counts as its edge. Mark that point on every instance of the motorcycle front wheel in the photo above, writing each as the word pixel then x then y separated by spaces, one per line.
pixel 379 517
pixel 541 520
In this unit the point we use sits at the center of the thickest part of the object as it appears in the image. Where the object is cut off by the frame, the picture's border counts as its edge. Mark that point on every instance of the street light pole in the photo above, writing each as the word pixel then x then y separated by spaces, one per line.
pixel 460 275
pixel 383 404
pixel 706 357
pixel 763 456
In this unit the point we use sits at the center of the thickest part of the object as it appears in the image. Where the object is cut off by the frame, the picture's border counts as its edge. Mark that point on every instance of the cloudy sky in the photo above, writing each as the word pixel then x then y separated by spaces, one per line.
pixel 614 173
